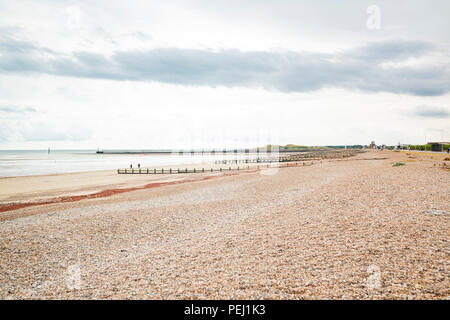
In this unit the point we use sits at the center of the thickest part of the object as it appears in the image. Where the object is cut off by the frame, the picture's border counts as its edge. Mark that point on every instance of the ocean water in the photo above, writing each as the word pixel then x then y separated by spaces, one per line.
pixel 38 162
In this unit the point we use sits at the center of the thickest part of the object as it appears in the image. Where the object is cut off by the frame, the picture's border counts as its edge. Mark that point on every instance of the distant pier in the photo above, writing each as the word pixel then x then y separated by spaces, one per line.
pixel 292 160
pixel 207 151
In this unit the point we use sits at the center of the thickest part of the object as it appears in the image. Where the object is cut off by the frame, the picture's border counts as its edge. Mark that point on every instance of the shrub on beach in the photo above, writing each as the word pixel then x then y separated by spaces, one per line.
pixel 398 164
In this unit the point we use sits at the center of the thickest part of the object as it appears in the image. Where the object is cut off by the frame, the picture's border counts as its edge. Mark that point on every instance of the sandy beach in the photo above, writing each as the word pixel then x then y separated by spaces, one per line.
pixel 355 228
pixel 24 189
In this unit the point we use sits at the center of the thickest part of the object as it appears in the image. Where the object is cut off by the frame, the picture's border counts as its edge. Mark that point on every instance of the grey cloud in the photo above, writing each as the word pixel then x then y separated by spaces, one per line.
pixel 391 51
pixel 21 110
pixel 432 112
pixel 287 71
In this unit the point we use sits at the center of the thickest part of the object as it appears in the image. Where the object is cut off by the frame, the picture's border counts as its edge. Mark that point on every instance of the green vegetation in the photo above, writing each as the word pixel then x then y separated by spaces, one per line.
pixel 398 164
pixel 420 147
pixel 355 146
pixel 295 147
pixel 425 147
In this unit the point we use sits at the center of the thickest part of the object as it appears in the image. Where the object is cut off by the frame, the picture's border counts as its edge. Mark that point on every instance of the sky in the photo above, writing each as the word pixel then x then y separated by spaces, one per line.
pixel 214 74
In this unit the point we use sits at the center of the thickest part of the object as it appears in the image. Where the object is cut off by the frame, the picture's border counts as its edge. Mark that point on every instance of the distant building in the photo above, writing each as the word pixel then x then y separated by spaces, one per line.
pixel 437 146
pixel 372 145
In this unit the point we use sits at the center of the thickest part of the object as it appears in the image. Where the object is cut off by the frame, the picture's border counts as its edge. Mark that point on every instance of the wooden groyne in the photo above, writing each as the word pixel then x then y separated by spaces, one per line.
pixel 257 160
pixel 307 156
pixel 206 170
pixel 257 151
pixel 281 161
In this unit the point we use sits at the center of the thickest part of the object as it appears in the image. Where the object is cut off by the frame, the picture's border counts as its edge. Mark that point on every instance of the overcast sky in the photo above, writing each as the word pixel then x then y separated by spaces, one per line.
pixel 182 74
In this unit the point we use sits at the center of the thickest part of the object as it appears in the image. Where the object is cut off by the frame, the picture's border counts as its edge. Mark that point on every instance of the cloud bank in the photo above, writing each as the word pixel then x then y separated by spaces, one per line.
pixel 16 110
pixel 373 68
pixel 432 112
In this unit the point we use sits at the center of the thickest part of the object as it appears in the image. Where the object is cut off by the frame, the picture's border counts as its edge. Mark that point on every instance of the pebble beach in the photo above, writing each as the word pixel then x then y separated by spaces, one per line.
pixel 354 228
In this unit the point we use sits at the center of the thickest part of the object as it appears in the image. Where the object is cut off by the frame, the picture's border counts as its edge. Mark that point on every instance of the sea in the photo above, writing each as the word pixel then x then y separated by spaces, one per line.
pixel 41 162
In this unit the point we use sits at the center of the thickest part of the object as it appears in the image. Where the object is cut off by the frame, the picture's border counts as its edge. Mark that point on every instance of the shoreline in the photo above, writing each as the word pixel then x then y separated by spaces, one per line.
pixel 159 180
pixel 45 187
pixel 307 232
pixel 24 191
pixel 5 207
pixel 19 187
